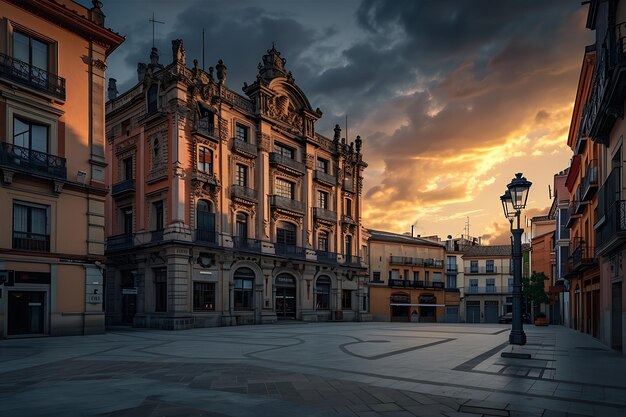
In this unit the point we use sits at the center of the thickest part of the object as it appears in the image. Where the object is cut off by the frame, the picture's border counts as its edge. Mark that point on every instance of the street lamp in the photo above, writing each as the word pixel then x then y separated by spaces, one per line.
pixel 513 202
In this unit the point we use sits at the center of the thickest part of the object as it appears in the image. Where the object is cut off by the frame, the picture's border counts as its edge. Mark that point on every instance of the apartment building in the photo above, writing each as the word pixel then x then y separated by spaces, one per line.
pixel 407 279
pixel 52 62
pixel 488 283
pixel 559 211
pixel 543 258
pixel 229 209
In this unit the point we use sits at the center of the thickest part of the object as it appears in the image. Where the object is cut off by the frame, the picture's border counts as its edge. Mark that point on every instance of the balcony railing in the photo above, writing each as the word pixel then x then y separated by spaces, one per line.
pixel 573 217
pixel 324 214
pixel 425 262
pixel 582 255
pixel 579 203
pixel 348 219
pixel 120 242
pixel 481 270
pixel 489 289
pixel 23 73
pixel 246 245
pixel 35 162
pixel 581 139
pixel 206 127
pixel 590 180
pixel 612 232
pixel 326 257
pixel 415 284
pixel 31 241
pixel 208 237
pixel 289 251
pixel 246 193
pixel 451 269
pixel 352 260
pixel 278 159
pixel 322 176
pixel 243 146
pixel 285 203
pixel 126 186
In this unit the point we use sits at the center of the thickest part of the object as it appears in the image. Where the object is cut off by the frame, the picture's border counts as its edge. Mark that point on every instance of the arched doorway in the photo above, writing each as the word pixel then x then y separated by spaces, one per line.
pixel 400 304
pixel 427 308
pixel 285 298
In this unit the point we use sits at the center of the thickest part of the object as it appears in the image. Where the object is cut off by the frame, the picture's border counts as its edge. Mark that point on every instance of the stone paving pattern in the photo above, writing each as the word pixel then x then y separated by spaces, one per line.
pixel 322 369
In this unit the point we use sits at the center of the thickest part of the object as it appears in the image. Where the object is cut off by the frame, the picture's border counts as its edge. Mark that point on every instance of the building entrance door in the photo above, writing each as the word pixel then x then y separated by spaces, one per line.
pixel 285 301
pixel 491 311
pixel 26 312
pixel 129 307
pixel 400 307
pixel 472 311
pixel 616 316
pixel 427 309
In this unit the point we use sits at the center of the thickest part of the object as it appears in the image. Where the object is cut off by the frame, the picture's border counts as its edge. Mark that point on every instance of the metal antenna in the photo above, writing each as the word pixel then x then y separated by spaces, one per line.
pixel 153 22
pixel 202 49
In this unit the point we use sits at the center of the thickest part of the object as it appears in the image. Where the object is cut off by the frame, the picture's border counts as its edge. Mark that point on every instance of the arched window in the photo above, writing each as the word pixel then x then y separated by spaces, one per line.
pixel 322 293
pixel 244 289
pixel 153 92
pixel 205 222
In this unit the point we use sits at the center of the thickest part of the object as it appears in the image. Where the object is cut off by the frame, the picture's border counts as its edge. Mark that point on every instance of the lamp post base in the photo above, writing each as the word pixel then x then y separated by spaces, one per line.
pixel 517 337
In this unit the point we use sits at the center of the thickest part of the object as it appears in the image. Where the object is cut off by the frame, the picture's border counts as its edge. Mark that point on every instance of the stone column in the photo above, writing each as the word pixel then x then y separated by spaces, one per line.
pixel 179 287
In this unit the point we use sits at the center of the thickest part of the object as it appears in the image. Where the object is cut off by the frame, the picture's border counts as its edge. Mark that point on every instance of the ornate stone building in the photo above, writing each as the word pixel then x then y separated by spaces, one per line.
pixel 228 209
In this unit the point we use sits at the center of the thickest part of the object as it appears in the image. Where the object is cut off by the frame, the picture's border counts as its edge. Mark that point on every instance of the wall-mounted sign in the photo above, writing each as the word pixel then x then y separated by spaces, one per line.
pixel 94 298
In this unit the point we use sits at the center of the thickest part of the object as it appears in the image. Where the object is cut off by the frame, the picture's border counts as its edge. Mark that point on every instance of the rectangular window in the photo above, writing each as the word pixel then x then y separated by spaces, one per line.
pixel 160 290
pixel 284 150
pixel 127 169
pixel 416 276
pixel 284 188
pixel 510 285
pixel 241 132
pixel 451 263
pixel 406 274
pixel 322 165
pixel 34 53
pixel 322 241
pixel 346 300
pixel 491 285
pixel 473 288
pixel 474 267
pixel 243 293
pixel 348 207
pixel 450 281
pixel 426 277
pixel 158 215
pixel 205 160
pixel 241 175
pixel 394 274
pixel 322 199
pixel 31 227
pixel 30 135
pixel 437 277
pixel 376 276
pixel 490 268
pixel 203 296
pixel 127 220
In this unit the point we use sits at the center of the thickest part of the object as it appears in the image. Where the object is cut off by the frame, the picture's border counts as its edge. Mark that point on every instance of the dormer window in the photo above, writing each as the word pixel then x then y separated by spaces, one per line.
pixel 153 98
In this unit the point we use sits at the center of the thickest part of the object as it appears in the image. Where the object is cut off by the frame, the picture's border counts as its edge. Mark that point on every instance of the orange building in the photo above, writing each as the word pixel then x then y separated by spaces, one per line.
pixel 542 255
pixel 407 279
pixel 52 61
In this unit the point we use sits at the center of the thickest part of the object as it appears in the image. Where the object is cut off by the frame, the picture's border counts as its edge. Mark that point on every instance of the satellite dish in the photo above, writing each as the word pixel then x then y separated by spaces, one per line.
pixel 449 236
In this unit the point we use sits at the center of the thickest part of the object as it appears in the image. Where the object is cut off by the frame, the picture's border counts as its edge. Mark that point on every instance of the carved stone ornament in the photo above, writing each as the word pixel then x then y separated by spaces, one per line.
pixel 281 215
pixel 263 141
pixel 178 51
pixel 310 161
pixel 126 145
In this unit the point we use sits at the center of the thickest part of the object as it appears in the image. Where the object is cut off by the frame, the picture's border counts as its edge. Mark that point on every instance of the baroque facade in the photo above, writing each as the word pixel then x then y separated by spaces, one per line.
pixel 226 208
pixel 52 192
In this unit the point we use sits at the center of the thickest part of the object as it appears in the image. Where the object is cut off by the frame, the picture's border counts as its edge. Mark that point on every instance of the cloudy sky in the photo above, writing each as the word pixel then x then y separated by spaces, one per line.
pixel 450 97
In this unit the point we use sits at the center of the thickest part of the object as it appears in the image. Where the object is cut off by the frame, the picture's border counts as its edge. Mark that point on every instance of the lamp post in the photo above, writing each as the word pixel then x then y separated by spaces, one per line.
pixel 513 202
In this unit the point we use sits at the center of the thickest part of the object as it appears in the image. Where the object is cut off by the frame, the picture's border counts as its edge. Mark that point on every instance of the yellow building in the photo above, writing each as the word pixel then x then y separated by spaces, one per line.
pixel 52 62
pixel 407 279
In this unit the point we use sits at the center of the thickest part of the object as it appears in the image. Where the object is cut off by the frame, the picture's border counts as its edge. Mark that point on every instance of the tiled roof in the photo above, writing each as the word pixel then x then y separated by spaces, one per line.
pixel 379 235
pixel 541 218
pixel 492 250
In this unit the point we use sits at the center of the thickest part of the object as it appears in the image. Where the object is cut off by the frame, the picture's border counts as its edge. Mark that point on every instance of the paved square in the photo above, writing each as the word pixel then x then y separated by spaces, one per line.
pixel 322 369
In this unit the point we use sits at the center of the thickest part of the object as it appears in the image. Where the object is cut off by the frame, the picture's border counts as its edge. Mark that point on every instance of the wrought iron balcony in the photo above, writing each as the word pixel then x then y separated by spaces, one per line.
pixel 451 269
pixel 481 270
pixel 612 232
pixel 326 257
pixel 325 178
pixel 120 242
pixel 403 283
pixel 31 161
pixel 579 204
pixel 289 251
pixel 489 289
pixel 206 237
pixel 407 260
pixel 573 217
pixel 277 201
pixel 590 180
pixel 292 164
pixel 582 255
pixel 324 214
pixel 352 260
pixel 244 244
pixel 31 241
pixel 348 219
pixel 122 188
pixel 244 147
pixel 22 73
pixel 206 127
pixel 246 193
pixel 433 263
pixel 581 139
